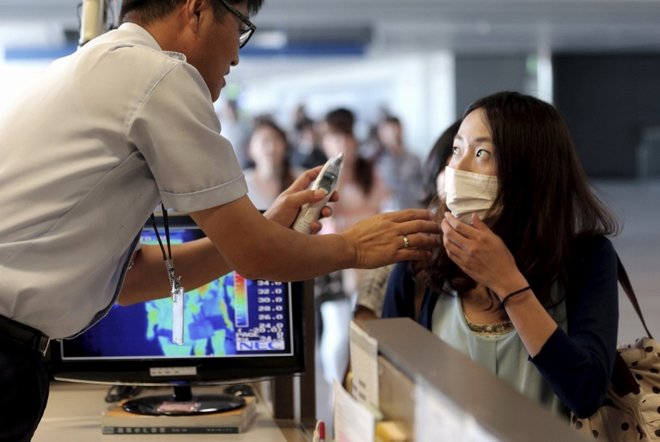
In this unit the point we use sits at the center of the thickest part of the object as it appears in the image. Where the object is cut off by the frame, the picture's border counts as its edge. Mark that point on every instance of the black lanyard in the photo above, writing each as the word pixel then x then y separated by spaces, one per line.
pixel 167 234
pixel 175 282
pixel 169 263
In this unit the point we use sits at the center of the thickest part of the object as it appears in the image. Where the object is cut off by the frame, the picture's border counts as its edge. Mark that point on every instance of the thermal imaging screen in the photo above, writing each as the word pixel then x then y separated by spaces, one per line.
pixel 230 316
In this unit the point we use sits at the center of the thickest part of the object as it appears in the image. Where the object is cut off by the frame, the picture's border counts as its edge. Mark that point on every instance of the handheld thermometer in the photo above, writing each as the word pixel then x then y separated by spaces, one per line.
pixel 327 180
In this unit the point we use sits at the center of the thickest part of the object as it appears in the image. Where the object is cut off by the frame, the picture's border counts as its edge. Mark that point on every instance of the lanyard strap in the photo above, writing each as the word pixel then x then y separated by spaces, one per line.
pixel 169 263
pixel 175 282
pixel 167 233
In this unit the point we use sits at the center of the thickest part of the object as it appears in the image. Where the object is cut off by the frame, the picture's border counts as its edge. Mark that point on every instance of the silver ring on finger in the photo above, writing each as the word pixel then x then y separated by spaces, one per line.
pixel 406 242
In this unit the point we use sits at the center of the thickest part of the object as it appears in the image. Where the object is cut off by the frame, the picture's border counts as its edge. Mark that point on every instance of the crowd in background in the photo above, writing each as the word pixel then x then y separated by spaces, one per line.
pixel 380 173
pixel 389 172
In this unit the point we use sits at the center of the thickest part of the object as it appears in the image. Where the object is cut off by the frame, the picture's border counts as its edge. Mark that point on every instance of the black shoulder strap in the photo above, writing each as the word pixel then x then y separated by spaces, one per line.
pixel 627 287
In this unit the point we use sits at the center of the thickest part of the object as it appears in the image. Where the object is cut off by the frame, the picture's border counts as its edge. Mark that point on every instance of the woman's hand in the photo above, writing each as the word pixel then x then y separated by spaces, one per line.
pixel 286 206
pixel 481 254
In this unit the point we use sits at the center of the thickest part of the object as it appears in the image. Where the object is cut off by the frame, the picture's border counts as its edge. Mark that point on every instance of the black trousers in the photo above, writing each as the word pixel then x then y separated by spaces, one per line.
pixel 24 384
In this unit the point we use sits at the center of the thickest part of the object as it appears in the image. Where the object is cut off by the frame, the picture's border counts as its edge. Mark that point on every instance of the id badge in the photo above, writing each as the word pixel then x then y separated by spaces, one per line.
pixel 177 315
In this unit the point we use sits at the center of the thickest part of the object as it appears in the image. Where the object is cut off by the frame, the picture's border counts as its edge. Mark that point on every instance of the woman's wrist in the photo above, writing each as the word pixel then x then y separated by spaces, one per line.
pixel 510 285
pixel 514 294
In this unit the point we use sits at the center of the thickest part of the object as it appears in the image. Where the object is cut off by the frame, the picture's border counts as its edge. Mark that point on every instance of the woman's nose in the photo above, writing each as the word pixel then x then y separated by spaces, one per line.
pixel 462 162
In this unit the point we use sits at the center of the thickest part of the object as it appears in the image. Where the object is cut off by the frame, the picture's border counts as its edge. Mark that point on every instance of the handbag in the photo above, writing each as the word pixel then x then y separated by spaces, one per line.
pixel 631 410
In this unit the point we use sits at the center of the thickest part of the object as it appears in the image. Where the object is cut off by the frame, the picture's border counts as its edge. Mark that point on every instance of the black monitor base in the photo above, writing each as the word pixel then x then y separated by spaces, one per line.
pixel 182 403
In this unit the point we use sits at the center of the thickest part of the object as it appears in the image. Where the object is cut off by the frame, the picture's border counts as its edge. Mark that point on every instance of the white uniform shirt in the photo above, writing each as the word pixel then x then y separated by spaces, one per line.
pixel 85 157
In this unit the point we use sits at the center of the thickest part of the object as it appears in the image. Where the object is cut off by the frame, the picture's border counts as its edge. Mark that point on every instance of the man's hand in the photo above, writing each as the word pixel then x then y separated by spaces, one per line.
pixel 406 235
pixel 286 206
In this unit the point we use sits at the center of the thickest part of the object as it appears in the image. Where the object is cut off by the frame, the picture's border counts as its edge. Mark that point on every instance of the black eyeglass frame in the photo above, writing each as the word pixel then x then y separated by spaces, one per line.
pixel 247 34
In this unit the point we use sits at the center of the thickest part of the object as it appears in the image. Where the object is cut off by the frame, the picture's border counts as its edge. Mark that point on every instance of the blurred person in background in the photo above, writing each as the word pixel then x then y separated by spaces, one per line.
pixel 363 193
pixel 268 150
pixel 236 128
pixel 307 152
pixel 401 169
pixel 363 190
pixel 371 290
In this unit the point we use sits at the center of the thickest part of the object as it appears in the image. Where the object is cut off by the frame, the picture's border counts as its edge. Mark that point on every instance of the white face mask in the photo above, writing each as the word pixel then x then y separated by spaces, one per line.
pixel 467 193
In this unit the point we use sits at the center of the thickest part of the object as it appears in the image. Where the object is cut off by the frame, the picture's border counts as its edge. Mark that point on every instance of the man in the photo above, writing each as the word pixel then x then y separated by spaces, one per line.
pixel 88 153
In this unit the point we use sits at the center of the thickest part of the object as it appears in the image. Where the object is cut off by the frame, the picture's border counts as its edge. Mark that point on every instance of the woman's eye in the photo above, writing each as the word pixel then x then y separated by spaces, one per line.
pixel 481 152
pixel 455 150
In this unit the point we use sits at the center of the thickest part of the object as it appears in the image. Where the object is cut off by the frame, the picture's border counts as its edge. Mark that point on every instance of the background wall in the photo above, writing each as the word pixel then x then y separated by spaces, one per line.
pixel 608 100
pixel 481 75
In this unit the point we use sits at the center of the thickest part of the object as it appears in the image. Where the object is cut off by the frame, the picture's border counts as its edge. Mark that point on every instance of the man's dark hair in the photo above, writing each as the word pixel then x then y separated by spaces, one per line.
pixel 391 119
pixel 148 11
pixel 340 120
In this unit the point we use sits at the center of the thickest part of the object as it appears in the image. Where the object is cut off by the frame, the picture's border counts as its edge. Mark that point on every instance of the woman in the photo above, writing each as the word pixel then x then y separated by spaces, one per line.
pixel 363 193
pixel 525 273
pixel 268 149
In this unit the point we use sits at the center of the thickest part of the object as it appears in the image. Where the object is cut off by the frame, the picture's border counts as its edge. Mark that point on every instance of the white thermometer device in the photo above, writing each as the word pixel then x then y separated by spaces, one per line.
pixel 326 180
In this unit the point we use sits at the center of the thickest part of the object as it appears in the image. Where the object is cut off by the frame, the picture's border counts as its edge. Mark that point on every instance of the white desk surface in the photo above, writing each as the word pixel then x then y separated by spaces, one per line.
pixel 74 412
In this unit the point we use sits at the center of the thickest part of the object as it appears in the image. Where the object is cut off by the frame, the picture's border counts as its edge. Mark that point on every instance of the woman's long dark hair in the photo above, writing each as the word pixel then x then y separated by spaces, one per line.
pixel 435 163
pixel 544 200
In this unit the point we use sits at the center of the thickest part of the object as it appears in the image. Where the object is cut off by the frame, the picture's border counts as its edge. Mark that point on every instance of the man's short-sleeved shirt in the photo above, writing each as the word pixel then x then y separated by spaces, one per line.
pixel 87 155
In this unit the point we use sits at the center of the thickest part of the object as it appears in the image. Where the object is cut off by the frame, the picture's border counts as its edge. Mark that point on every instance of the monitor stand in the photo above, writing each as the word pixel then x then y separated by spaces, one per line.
pixel 182 402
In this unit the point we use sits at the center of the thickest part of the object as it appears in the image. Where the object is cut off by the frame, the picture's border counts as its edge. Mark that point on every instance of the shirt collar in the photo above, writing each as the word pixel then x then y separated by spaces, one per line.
pixel 148 39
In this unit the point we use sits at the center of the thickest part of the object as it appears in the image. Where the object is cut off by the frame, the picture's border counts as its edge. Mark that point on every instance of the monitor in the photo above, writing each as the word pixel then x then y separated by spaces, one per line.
pixel 235 329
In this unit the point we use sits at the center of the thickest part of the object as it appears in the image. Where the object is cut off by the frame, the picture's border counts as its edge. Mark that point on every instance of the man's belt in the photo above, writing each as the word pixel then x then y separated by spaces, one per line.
pixel 23 335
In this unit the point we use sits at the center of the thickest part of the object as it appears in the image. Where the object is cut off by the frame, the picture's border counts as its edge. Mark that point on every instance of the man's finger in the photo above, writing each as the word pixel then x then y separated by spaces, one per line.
pixel 423 241
pixel 315 227
pixel 305 197
pixel 418 225
pixel 326 212
pixel 305 179
pixel 401 216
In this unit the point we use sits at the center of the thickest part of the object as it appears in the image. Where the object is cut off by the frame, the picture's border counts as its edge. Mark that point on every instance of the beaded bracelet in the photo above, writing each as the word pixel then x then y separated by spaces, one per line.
pixel 510 295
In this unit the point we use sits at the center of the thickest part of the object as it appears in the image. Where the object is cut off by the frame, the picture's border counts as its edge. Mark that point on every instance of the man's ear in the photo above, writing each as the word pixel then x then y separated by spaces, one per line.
pixel 194 9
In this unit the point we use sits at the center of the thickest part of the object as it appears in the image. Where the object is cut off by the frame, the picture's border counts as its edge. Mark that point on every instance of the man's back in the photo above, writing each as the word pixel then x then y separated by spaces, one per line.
pixel 81 161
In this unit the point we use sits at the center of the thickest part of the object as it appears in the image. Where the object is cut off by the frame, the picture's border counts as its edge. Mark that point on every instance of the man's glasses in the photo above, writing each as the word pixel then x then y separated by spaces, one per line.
pixel 245 33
